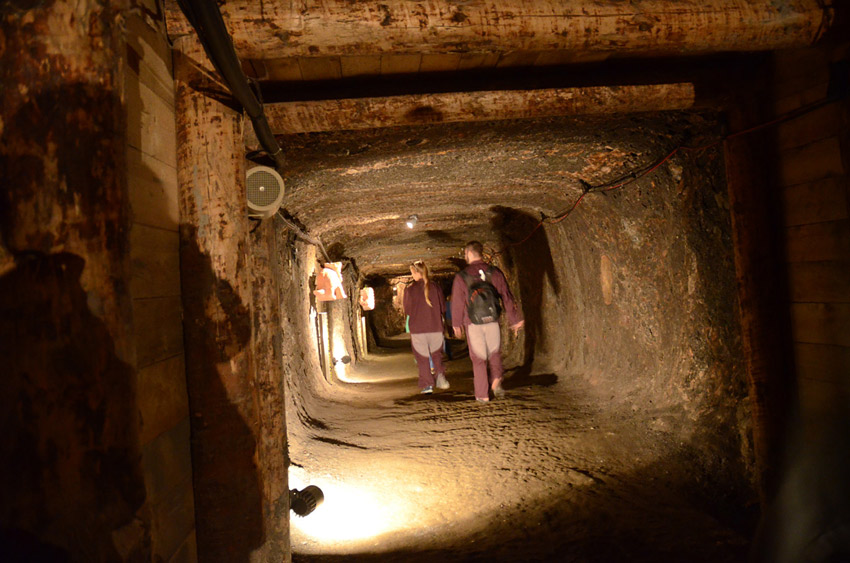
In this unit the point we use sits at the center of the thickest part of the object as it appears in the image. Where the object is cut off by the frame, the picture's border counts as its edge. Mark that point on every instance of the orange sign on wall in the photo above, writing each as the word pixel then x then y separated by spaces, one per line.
pixel 329 283
pixel 367 298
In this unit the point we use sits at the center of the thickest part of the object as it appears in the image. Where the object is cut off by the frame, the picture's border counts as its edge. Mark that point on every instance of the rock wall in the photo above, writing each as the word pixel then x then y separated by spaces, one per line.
pixel 635 293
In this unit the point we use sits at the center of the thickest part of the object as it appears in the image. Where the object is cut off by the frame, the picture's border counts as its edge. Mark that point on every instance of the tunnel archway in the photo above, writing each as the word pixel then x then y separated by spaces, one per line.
pixel 632 327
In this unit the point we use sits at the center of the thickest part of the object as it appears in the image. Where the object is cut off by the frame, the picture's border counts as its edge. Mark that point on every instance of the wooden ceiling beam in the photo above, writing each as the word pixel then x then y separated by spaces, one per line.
pixel 453 107
pixel 273 29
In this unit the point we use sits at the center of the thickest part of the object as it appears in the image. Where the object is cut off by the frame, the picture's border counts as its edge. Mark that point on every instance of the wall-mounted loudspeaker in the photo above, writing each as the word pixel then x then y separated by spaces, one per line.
pixel 265 191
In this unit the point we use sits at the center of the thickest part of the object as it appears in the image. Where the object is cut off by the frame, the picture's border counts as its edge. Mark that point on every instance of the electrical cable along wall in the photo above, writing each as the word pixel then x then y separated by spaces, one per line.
pixel 836 94
pixel 634 292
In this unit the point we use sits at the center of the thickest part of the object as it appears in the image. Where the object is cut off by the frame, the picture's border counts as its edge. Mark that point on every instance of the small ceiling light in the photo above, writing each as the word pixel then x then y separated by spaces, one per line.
pixel 411 221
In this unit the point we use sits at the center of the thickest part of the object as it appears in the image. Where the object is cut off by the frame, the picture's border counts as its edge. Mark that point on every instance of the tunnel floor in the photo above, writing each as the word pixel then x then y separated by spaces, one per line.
pixel 546 474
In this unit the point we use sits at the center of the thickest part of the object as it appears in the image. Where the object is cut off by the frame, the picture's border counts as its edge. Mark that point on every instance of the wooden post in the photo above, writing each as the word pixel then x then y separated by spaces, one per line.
pixel 264 30
pixel 71 484
pixel 266 341
pixel 236 413
pixel 762 295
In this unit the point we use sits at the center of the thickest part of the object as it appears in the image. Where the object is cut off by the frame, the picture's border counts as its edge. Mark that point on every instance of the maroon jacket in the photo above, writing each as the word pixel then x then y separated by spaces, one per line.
pixel 460 293
pixel 422 317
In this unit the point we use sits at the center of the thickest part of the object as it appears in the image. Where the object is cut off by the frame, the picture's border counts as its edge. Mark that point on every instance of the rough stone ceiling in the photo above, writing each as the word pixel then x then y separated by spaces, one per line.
pixel 355 189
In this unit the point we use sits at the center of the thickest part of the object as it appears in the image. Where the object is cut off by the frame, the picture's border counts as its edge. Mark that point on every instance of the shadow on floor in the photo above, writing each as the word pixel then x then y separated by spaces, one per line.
pixel 438 396
pixel 522 377
pixel 396 342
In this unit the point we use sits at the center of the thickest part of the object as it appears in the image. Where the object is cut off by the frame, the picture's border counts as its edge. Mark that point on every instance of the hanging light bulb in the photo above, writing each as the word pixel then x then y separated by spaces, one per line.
pixel 411 221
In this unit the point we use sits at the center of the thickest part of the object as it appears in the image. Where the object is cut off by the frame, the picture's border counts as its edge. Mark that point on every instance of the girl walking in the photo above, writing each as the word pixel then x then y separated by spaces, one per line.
pixel 425 304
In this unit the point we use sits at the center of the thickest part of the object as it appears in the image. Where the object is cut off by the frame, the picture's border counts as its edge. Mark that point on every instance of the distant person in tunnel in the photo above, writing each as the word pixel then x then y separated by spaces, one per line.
pixel 425 305
pixel 476 291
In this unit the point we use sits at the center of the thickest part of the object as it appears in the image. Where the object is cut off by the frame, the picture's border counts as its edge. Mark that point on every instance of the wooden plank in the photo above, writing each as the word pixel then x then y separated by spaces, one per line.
pixel 188 552
pixel 168 462
pixel 159 329
pixel 168 467
pixel 162 397
pixel 822 403
pixel 149 47
pixel 320 68
pixel 818 241
pixel 816 202
pixel 153 190
pixel 366 65
pixel 142 74
pixel 518 58
pixel 472 60
pixel 810 95
pixel 820 124
pixel 150 124
pixel 178 524
pixel 821 282
pixel 821 323
pixel 400 64
pixel 490 60
pixel 283 70
pixel 549 58
pixel 822 362
pixel 796 69
pixel 439 62
pixel 814 161
pixel 155 262
pixel 367 113
pixel 338 27
pixel 254 69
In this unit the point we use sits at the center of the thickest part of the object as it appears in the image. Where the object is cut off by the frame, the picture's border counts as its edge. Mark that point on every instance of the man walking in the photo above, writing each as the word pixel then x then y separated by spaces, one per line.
pixel 476 292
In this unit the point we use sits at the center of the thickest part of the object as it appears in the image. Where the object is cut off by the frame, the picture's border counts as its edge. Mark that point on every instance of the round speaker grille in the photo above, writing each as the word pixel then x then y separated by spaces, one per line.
pixel 263 188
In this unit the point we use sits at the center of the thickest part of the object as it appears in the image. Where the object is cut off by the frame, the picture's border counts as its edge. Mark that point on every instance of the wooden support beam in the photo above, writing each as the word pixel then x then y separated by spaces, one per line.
pixel 368 113
pixel 72 483
pixel 340 27
pixel 240 482
pixel 264 264
pixel 765 325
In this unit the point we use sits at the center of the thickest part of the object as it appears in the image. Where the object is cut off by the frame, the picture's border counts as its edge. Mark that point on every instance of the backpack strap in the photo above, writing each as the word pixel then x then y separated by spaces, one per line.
pixel 488 273
pixel 468 278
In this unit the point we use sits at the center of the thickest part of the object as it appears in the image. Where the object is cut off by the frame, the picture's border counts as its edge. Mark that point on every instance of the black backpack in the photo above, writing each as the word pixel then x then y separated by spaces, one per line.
pixel 483 303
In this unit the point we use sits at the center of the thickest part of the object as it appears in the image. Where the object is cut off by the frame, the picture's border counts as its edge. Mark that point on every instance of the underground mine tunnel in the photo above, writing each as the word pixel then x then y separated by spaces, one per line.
pixel 664 186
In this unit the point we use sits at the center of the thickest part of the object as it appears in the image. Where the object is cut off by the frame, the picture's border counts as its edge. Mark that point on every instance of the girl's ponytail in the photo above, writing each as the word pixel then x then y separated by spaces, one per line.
pixel 420 267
